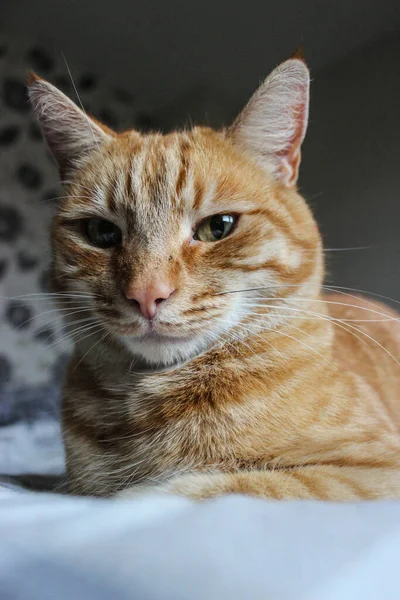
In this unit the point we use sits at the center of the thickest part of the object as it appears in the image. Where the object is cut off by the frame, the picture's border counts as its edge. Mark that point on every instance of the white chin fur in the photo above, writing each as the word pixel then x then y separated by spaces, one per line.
pixel 164 352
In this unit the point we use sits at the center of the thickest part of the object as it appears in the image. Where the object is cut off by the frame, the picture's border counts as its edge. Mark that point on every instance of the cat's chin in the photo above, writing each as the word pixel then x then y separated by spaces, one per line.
pixel 165 350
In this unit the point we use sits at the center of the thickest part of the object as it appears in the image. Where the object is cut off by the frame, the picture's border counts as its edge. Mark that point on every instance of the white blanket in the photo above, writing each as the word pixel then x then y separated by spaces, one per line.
pixel 166 548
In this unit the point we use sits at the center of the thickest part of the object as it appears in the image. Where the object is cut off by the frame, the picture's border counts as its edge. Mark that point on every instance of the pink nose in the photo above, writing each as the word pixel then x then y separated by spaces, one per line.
pixel 149 298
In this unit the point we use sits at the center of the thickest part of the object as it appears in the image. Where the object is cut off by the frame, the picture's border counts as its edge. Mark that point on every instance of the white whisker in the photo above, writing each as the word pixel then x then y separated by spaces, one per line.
pixel 339 323
pixel 90 349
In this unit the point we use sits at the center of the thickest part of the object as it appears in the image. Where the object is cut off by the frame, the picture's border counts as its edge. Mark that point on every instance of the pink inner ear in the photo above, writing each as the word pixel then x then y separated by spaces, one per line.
pixel 290 156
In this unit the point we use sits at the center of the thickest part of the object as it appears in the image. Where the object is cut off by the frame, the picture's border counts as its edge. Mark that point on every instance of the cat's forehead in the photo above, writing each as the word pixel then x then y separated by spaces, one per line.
pixel 168 176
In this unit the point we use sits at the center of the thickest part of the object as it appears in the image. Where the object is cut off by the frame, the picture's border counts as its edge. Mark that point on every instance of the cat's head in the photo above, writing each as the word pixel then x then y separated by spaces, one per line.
pixel 178 239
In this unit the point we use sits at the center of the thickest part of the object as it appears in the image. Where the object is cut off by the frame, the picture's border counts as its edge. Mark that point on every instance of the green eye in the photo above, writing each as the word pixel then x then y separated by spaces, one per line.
pixel 102 234
pixel 215 228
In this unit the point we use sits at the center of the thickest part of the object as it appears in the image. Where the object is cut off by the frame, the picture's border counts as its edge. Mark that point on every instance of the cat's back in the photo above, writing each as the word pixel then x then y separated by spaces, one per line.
pixel 367 342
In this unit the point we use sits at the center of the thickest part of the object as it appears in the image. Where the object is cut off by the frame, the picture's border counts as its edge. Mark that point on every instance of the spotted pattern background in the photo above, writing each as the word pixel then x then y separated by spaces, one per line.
pixel 33 343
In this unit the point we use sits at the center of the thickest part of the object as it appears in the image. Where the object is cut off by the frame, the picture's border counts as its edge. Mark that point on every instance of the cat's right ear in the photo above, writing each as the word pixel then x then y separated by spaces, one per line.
pixel 273 124
pixel 70 134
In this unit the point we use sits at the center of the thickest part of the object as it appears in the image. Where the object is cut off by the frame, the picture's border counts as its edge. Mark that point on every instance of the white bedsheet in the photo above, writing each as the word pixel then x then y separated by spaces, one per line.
pixel 166 548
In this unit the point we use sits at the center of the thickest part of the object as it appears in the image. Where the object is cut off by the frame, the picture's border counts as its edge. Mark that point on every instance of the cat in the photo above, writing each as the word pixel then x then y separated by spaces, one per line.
pixel 207 359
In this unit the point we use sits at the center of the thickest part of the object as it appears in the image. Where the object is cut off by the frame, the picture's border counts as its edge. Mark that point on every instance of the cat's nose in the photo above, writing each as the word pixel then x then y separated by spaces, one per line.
pixel 149 298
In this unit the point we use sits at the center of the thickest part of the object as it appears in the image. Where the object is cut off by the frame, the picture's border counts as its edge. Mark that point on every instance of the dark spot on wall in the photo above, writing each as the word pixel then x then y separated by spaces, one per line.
pixel 8 135
pixel 15 94
pixel 10 223
pixel 49 155
pixel 35 133
pixel 45 335
pixel 59 368
pixel 44 280
pixel 124 96
pixel 19 315
pixel 3 50
pixel 145 122
pixel 63 83
pixel 5 371
pixel 29 176
pixel 40 60
pixel 3 268
pixel 26 262
pixel 52 195
pixel 108 117
pixel 87 82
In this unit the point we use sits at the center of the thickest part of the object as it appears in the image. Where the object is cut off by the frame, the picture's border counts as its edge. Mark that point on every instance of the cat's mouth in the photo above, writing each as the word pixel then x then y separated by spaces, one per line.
pixel 155 334
pixel 163 348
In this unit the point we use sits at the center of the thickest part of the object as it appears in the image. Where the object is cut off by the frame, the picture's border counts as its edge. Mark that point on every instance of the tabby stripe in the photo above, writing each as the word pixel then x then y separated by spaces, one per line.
pixel 110 193
pixel 128 181
pixel 183 171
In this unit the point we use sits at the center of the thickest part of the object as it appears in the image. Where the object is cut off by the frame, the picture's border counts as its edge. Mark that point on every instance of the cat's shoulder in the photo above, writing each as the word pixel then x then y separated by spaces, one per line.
pixel 372 317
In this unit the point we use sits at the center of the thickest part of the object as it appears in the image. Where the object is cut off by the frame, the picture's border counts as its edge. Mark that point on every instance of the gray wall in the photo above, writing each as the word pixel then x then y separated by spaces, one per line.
pixel 351 166
pixel 161 48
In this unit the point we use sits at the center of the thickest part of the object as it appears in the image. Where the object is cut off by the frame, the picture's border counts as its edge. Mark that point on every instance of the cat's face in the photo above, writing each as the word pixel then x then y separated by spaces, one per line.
pixel 169 235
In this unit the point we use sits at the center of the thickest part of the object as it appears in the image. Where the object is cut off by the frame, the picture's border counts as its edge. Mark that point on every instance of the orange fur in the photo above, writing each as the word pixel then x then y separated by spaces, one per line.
pixel 249 380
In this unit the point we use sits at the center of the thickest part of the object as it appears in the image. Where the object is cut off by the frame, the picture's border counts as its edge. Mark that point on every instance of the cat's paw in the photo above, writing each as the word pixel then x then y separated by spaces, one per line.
pixel 197 486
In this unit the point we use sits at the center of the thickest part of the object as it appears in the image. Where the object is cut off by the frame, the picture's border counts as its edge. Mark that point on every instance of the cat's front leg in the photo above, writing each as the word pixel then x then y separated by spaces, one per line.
pixel 324 482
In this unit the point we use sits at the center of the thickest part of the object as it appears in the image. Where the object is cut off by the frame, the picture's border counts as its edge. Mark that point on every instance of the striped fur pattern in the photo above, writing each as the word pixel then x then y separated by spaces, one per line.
pixel 248 379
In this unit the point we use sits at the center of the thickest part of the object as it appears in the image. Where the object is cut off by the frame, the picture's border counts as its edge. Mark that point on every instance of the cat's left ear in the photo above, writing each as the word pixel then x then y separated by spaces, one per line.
pixel 69 132
pixel 273 124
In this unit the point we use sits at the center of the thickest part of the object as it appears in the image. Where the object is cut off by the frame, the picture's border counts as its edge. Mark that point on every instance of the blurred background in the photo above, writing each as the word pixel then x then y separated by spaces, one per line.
pixel 157 65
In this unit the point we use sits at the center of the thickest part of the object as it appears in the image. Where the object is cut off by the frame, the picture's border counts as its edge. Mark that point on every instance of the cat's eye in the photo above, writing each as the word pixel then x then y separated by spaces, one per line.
pixel 215 228
pixel 102 234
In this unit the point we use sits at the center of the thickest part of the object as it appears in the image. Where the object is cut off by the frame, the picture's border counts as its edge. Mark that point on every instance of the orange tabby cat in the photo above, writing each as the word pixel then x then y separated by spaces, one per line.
pixel 207 361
